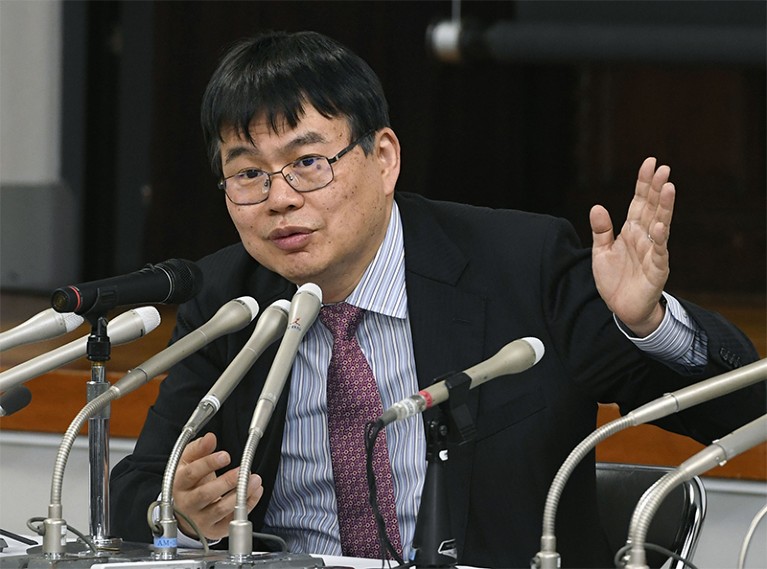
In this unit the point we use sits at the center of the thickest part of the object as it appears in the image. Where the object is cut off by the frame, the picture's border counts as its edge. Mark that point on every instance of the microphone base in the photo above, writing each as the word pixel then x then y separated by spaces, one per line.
pixel 141 556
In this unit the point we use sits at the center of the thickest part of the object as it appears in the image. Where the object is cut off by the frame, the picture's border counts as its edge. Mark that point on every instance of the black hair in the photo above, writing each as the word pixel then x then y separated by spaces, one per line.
pixel 276 74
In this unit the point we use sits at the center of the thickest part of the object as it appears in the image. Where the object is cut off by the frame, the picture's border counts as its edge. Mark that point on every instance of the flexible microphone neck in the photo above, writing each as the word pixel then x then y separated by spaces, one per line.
pixel 304 309
pixel 234 315
pixel 716 454
pixel 668 404
pixel 270 326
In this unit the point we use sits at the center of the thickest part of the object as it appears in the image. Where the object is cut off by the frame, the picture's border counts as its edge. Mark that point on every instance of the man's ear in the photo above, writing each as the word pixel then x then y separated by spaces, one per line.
pixel 387 152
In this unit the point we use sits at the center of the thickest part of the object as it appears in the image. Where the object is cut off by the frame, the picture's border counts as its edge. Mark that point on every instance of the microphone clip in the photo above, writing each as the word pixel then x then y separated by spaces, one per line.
pixel 456 408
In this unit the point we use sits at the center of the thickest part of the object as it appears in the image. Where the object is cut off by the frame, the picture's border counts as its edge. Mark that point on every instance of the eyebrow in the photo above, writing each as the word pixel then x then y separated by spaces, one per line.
pixel 311 137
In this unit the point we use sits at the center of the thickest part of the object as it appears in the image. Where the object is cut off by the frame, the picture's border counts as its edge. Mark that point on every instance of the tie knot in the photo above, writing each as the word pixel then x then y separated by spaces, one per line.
pixel 341 319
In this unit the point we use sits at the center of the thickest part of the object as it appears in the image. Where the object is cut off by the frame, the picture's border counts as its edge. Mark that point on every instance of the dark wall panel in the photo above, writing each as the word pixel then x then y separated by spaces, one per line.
pixel 554 137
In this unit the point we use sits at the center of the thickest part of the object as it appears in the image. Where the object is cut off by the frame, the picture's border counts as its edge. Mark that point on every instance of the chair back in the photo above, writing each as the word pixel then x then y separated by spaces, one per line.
pixel 676 524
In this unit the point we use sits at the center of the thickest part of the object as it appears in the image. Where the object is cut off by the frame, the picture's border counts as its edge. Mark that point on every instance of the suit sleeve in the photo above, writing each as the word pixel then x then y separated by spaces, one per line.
pixel 614 370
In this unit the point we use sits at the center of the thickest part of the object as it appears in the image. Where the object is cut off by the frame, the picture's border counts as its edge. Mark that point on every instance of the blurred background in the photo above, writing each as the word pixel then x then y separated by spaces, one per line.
pixel 552 109
pixel 547 106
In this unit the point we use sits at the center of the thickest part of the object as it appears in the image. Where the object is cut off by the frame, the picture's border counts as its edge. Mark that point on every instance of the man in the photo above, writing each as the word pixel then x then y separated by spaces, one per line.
pixel 299 135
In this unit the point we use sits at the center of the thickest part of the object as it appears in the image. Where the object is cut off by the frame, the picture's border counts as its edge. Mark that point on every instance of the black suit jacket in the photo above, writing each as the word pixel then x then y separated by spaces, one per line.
pixel 476 279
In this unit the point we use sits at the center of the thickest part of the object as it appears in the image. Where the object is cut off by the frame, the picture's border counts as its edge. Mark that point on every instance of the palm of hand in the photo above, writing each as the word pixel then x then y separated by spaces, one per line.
pixel 630 270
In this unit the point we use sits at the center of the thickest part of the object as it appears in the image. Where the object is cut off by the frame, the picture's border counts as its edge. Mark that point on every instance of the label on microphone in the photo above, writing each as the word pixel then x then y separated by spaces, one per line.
pixel 409 407
pixel 448 548
pixel 165 542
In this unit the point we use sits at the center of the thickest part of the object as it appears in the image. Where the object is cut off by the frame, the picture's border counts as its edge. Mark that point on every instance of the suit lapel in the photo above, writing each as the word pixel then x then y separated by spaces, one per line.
pixel 447 326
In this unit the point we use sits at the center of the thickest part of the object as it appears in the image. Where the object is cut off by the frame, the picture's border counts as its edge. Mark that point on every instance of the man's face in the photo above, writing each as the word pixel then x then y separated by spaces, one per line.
pixel 327 236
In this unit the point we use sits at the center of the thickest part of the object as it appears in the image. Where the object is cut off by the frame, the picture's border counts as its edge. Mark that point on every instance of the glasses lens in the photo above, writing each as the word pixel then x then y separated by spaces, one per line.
pixel 309 173
pixel 247 187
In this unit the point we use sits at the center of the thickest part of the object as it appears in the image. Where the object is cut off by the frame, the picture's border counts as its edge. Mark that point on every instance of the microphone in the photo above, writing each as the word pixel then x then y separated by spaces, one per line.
pixel 700 392
pixel 668 404
pixel 232 316
pixel 304 308
pixel 124 328
pixel 170 282
pixel 270 326
pixel 716 454
pixel 514 357
pixel 14 400
pixel 43 326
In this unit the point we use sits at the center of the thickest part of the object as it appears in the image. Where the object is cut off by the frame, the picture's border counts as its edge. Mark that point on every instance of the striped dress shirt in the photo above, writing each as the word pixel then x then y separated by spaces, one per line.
pixel 303 506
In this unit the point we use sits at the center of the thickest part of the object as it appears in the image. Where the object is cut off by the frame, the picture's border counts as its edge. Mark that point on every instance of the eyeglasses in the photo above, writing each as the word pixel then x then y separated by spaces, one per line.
pixel 305 174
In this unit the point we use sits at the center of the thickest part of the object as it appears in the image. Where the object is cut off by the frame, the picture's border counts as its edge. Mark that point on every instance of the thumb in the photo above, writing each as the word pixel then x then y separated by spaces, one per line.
pixel 601 227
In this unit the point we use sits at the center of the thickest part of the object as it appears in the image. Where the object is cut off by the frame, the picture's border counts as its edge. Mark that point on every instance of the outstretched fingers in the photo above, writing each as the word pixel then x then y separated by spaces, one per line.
pixel 641 191
pixel 659 228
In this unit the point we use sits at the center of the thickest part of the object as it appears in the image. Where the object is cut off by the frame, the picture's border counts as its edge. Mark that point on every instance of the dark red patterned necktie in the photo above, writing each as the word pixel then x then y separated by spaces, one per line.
pixel 353 400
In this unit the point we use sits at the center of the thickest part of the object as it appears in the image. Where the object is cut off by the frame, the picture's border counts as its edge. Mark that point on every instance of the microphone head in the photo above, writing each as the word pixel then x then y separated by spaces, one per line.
pixel 133 324
pixel 537 346
pixel 14 400
pixel 281 304
pixel 251 304
pixel 69 320
pixel 304 308
pixel 185 276
pixel 231 316
pixel 311 288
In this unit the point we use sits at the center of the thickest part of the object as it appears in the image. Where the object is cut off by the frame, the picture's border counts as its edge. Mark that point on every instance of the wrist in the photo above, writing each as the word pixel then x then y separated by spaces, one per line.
pixel 651 323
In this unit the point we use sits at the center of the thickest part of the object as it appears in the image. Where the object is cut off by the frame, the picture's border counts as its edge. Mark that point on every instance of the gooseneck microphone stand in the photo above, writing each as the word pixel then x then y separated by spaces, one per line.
pixel 54 540
pixel 99 350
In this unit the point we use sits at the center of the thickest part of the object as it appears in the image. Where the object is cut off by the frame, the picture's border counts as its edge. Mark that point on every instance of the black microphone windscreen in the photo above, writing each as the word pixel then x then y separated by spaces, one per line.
pixel 172 281
pixel 186 278
pixel 14 400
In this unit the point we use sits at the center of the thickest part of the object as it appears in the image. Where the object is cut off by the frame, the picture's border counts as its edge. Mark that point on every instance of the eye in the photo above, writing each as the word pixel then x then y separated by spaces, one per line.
pixel 307 162
pixel 248 174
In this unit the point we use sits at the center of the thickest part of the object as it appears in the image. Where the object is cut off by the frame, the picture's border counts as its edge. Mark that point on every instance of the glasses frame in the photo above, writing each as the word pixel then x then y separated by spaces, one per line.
pixel 268 182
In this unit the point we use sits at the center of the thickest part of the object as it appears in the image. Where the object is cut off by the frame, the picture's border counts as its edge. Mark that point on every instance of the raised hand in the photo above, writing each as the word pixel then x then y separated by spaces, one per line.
pixel 632 268
pixel 206 498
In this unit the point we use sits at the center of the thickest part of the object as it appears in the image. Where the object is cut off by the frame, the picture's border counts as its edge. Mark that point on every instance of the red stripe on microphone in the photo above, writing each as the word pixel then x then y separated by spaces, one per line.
pixel 427 396
pixel 79 298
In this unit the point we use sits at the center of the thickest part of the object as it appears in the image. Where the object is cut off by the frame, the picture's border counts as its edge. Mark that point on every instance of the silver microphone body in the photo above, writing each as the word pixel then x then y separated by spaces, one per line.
pixel 721 450
pixel 304 309
pixel 514 357
pixel 232 316
pixel 270 326
pixel 126 327
pixel 700 392
pixel 42 326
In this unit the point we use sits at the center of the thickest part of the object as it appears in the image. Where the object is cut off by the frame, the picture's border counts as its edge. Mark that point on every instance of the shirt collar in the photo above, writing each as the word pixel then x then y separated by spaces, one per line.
pixel 382 286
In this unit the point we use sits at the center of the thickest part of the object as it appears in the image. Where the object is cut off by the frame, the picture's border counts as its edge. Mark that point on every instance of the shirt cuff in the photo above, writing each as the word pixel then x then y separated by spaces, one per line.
pixel 673 339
